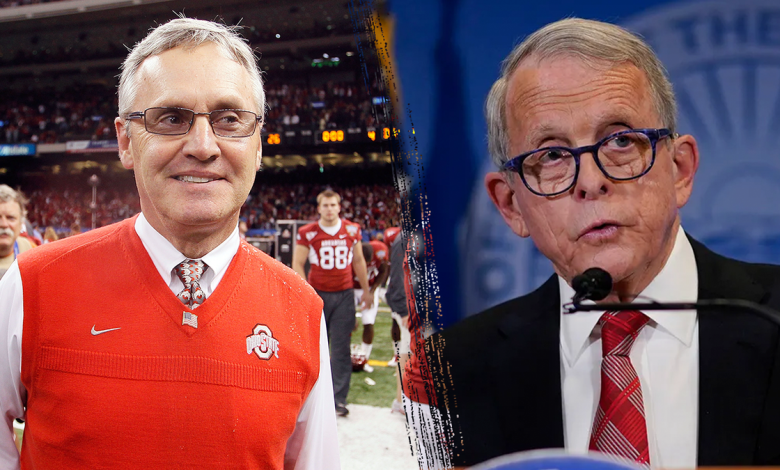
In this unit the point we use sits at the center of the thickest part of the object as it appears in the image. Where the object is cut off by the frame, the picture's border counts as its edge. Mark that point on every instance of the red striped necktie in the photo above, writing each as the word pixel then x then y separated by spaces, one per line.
pixel 619 427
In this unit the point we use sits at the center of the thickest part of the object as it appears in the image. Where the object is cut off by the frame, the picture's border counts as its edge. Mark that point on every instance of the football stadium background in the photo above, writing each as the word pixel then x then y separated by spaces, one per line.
pixel 723 57
pixel 327 123
pixel 327 126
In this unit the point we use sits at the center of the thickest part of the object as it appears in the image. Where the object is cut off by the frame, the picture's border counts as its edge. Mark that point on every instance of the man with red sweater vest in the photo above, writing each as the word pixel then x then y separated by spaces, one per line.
pixel 377 256
pixel 333 248
pixel 164 341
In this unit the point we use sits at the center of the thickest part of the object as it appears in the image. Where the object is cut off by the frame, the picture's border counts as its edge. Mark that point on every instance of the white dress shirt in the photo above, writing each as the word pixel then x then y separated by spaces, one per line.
pixel 313 444
pixel 665 356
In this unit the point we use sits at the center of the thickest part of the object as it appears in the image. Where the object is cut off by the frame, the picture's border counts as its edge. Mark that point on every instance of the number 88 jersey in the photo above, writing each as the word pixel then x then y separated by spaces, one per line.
pixel 330 256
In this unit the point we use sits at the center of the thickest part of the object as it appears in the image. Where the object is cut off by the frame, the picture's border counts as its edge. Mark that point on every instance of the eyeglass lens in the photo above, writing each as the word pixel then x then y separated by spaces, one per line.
pixel 623 156
pixel 176 121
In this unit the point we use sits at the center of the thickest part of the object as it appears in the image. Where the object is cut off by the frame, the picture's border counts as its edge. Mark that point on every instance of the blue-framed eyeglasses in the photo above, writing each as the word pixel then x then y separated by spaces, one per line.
pixel 622 156
pixel 233 123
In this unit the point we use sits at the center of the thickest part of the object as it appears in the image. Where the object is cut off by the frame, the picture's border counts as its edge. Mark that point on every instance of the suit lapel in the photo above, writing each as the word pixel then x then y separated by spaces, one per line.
pixel 736 357
pixel 527 373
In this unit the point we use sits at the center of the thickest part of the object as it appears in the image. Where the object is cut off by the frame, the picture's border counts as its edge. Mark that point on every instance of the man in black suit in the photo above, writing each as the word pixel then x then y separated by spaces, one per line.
pixel 582 128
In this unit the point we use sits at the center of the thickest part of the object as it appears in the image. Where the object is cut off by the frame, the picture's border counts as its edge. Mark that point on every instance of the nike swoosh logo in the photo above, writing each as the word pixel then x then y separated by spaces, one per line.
pixel 100 332
pixel 342 236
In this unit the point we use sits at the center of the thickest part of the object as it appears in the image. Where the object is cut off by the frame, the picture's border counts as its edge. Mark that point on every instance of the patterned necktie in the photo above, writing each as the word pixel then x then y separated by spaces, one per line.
pixel 619 427
pixel 190 271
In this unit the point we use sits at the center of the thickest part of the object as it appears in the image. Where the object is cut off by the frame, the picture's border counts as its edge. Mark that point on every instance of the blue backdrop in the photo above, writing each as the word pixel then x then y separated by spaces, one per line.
pixel 723 57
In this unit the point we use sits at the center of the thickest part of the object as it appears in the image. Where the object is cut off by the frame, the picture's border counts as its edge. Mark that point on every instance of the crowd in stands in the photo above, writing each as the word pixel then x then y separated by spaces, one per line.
pixel 59 210
pixel 58 117
pixel 88 113
pixel 375 206
pixel 64 53
pixel 87 45
pixel 334 105
pixel 261 36
pixel 18 3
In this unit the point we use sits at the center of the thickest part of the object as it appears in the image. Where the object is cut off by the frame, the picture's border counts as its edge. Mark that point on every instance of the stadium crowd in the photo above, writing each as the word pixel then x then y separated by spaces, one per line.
pixel 334 105
pixel 85 45
pixel 45 117
pixel 19 3
pixel 372 206
pixel 88 113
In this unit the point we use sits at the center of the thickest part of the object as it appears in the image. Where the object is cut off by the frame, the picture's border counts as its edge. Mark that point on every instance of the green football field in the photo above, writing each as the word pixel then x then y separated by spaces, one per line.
pixel 383 392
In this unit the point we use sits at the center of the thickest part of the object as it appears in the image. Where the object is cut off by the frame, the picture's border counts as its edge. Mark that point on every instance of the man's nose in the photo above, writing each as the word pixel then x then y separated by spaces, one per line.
pixel 591 181
pixel 201 140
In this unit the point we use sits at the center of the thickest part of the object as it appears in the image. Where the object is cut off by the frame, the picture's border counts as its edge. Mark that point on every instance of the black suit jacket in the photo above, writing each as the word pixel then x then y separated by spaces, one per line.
pixel 499 372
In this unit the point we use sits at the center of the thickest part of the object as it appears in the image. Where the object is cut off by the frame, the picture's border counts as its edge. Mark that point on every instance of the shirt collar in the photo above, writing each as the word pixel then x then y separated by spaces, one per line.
pixel 332 230
pixel 165 256
pixel 678 281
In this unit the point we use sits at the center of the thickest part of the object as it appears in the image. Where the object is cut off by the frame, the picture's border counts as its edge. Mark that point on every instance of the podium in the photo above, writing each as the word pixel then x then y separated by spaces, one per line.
pixel 557 459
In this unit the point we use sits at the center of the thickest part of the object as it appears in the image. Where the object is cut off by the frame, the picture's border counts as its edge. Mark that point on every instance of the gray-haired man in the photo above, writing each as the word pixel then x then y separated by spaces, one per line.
pixel 12 212
pixel 166 341
pixel 589 165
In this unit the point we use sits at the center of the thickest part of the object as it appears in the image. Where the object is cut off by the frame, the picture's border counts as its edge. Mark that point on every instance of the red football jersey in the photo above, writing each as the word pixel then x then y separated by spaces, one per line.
pixel 330 256
pixel 390 234
pixel 381 253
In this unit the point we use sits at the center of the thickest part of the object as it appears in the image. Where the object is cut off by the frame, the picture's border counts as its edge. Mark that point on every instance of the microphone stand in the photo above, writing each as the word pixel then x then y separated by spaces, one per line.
pixel 767 313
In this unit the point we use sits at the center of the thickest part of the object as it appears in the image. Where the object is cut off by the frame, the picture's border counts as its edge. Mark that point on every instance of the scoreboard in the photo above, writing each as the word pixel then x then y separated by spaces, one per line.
pixel 330 136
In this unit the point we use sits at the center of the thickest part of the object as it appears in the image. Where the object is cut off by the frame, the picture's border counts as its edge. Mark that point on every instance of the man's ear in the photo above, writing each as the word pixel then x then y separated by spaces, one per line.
pixel 123 139
pixel 501 192
pixel 685 161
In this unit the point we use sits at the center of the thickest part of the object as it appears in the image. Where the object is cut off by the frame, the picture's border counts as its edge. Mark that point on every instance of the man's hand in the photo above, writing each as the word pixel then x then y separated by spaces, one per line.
pixel 300 253
pixel 367 299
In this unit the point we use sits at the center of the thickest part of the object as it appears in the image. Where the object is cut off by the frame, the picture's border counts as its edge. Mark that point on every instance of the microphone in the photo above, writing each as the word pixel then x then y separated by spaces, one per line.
pixel 593 284
pixel 596 284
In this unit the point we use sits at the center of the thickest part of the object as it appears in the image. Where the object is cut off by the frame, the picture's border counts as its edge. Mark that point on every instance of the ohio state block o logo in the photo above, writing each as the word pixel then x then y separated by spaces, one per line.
pixel 262 343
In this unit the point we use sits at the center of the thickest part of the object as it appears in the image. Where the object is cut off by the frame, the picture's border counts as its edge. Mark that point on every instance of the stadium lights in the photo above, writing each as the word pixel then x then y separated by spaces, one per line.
pixel 350 53
pixel 325 55
pixel 278 36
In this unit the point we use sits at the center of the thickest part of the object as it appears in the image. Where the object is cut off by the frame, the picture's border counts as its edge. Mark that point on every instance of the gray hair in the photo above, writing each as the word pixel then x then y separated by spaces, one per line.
pixel 8 194
pixel 588 40
pixel 189 33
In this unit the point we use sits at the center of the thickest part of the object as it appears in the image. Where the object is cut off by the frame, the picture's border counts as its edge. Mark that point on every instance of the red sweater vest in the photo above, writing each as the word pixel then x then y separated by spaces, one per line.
pixel 155 393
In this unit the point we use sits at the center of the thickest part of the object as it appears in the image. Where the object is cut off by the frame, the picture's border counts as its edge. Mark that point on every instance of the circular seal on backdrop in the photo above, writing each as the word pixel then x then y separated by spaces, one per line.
pixel 723 58
pixel 498 265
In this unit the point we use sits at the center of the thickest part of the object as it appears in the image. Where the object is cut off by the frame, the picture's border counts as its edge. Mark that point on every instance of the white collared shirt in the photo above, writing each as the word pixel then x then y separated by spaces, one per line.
pixel 665 356
pixel 166 257
pixel 314 443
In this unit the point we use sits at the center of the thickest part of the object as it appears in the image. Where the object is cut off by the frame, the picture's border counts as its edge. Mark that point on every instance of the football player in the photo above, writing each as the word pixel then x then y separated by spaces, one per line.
pixel 378 267
pixel 334 250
